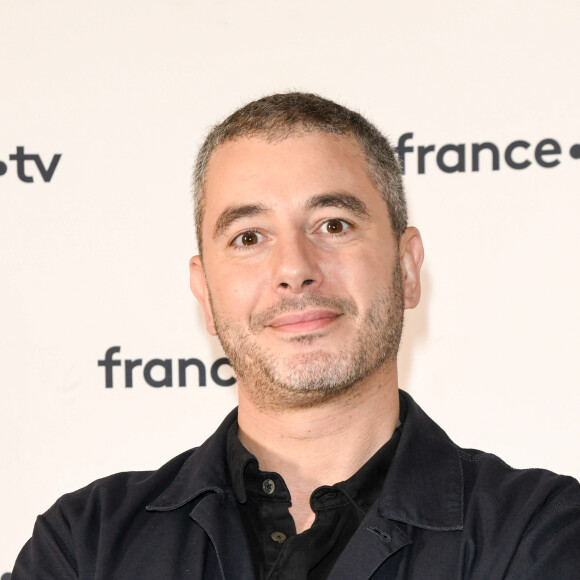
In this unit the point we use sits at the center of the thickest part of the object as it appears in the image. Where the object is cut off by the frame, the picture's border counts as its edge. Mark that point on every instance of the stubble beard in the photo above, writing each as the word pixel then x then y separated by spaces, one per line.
pixel 315 376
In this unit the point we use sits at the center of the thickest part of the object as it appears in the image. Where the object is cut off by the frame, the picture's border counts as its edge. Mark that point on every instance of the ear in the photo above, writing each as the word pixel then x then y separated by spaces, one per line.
pixel 198 286
pixel 411 256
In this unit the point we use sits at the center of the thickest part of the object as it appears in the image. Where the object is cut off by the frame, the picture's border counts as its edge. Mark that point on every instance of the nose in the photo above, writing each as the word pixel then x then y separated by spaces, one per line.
pixel 295 265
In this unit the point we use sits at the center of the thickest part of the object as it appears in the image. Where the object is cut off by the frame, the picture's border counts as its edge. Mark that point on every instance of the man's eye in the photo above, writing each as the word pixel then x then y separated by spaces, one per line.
pixel 334 226
pixel 249 238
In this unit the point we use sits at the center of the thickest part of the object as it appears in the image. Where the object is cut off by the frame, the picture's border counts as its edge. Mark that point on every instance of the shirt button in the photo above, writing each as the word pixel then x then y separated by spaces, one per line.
pixel 268 486
pixel 278 537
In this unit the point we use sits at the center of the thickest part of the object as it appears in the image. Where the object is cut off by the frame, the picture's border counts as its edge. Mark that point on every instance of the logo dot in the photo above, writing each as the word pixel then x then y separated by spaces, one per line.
pixel 3 168
pixel 575 151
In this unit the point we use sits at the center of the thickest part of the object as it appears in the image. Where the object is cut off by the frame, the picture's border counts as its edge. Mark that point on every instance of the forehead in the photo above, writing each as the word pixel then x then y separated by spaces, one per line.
pixel 285 172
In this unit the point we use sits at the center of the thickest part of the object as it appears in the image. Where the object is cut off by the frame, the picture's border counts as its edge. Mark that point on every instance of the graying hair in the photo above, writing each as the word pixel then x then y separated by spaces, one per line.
pixel 277 117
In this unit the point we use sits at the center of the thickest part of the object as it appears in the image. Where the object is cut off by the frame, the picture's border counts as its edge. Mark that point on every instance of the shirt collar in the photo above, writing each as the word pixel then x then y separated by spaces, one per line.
pixel 204 471
pixel 366 484
pixel 238 459
pixel 423 487
pixel 361 488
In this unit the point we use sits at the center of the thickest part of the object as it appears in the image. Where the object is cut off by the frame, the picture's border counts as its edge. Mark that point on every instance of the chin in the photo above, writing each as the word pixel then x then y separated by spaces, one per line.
pixel 318 371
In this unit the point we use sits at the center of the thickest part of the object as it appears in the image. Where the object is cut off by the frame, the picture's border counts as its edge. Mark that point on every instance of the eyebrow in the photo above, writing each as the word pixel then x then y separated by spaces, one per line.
pixel 235 213
pixel 341 200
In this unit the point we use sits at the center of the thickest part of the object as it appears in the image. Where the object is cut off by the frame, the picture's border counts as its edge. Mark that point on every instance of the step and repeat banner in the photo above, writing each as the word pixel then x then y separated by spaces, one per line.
pixel 105 363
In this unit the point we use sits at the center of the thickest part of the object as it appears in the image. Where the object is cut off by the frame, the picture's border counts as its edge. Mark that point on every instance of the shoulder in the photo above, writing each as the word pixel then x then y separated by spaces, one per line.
pixel 486 474
pixel 118 501
pixel 68 537
pixel 506 519
pixel 485 477
pixel 120 492
pixel 533 514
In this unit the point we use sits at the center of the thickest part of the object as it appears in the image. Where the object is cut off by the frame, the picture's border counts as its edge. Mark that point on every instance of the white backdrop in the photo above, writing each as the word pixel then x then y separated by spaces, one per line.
pixel 97 257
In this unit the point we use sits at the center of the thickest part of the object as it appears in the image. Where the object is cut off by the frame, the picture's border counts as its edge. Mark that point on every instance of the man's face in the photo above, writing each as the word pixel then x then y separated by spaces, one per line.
pixel 303 281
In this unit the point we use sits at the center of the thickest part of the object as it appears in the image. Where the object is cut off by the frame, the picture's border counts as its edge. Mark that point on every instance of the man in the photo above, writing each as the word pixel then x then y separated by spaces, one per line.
pixel 326 470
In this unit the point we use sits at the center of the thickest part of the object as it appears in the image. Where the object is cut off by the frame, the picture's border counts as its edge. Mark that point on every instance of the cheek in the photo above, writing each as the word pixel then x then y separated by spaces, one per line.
pixel 237 292
pixel 359 272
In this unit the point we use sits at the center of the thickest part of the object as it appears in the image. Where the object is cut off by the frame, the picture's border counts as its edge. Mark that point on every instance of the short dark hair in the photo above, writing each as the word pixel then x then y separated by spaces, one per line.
pixel 277 117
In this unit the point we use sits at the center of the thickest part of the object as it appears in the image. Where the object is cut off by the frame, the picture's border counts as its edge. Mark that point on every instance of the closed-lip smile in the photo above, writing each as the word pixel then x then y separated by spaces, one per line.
pixel 304 321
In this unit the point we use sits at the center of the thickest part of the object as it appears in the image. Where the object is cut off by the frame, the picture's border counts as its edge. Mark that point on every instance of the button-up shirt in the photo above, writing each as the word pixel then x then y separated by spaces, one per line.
pixel 263 500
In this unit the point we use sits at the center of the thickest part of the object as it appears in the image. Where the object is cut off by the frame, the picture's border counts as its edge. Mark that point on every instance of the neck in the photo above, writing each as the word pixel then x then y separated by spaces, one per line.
pixel 323 444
